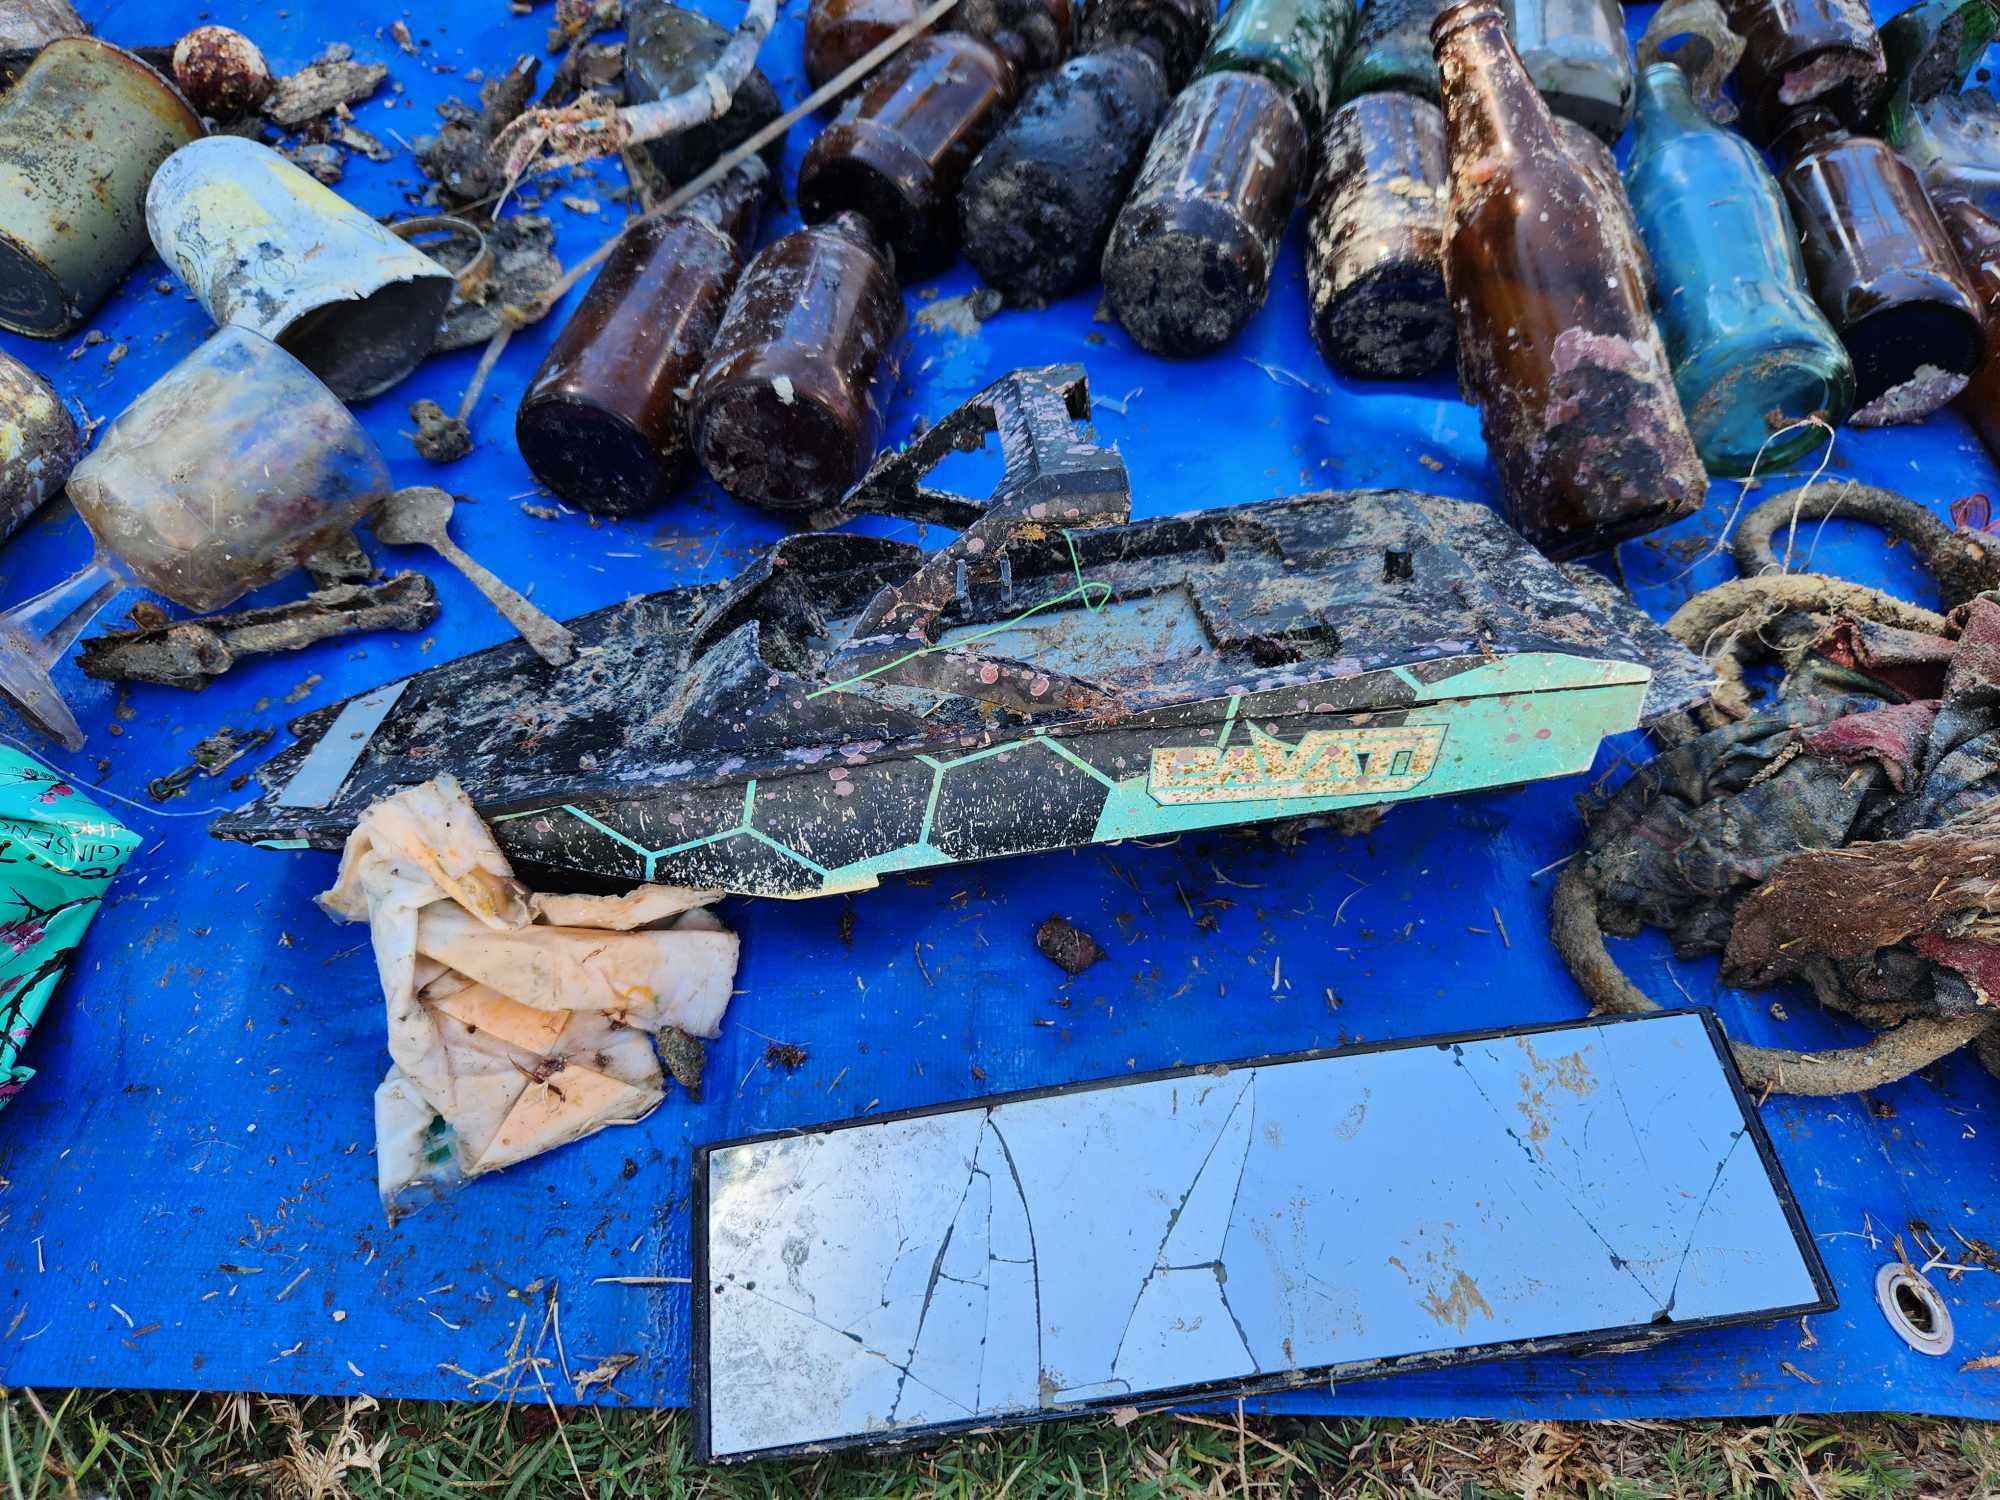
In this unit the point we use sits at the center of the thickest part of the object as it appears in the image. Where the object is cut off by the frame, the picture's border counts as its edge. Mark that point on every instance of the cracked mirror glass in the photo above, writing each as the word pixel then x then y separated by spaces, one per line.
pixel 1237 1228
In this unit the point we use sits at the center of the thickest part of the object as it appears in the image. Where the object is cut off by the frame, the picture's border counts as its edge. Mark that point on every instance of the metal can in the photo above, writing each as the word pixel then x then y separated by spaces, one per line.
pixel 80 137
pixel 265 247
pixel 38 443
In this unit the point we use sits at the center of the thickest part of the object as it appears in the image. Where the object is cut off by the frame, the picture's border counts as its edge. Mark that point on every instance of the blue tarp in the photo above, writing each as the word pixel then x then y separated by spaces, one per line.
pixel 188 1195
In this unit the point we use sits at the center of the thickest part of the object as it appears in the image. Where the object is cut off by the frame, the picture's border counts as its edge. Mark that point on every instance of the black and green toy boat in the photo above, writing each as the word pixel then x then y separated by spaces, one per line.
pixel 1058 675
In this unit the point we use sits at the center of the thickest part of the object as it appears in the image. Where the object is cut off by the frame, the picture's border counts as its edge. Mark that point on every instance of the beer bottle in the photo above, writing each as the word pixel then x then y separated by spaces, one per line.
pixel 900 146
pixel 1751 351
pixel 1882 268
pixel 1576 52
pixel 1375 239
pixel 604 423
pixel 1038 202
pixel 1555 340
pixel 788 410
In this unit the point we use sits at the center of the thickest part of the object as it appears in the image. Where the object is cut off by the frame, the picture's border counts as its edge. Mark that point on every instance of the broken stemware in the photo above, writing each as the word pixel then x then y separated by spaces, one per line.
pixel 233 467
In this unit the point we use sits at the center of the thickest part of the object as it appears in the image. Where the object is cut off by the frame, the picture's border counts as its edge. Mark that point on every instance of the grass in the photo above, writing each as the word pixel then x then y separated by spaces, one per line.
pixel 140 1443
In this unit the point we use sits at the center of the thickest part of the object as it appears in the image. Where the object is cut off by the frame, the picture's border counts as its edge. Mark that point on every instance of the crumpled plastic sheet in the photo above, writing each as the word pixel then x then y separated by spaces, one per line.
pixel 517 1021
pixel 1877 734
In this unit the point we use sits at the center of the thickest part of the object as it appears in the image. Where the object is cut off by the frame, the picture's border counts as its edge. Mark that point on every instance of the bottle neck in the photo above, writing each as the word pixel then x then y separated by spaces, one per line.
pixel 1491 106
pixel 1666 110
pixel 1807 130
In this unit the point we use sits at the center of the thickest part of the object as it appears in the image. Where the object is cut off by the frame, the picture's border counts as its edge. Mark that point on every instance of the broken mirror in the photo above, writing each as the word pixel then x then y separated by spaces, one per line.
pixel 1245 1227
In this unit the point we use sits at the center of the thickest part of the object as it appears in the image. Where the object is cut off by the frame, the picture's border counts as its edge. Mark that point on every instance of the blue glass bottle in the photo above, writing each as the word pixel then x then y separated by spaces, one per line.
pixel 1750 349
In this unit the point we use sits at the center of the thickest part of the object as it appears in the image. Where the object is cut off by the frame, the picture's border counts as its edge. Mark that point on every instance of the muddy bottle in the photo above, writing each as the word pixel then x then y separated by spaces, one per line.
pixel 1577 54
pixel 1751 351
pixel 1189 258
pixel 1038 202
pixel 788 410
pixel 1799 52
pixel 1977 240
pixel 605 421
pixel 1375 239
pixel 1555 340
pixel 1882 268
pixel 840 32
pixel 1390 50
pixel 902 143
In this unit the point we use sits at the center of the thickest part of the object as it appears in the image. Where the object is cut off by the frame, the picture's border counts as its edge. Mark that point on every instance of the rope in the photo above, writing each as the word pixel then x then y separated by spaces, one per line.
pixel 1891 1055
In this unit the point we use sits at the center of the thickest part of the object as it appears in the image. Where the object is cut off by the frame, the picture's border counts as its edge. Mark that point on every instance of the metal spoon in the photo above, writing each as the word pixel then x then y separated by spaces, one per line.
pixel 418 516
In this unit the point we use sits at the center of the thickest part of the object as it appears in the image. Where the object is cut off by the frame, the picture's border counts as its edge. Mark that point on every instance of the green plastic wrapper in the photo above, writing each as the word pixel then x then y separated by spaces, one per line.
pixel 58 852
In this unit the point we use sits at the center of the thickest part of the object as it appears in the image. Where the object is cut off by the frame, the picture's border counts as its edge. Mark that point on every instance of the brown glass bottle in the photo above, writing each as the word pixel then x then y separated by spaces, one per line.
pixel 840 32
pixel 1555 340
pixel 1976 237
pixel 788 410
pixel 605 421
pixel 1799 52
pixel 1882 268
pixel 1189 258
pixel 902 144
pixel 1038 202
pixel 1375 239
pixel 1589 152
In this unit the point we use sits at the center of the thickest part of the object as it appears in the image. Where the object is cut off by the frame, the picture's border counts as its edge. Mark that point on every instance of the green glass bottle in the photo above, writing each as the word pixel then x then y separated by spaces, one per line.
pixel 1390 50
pixel 1751 351
pixel 1294 43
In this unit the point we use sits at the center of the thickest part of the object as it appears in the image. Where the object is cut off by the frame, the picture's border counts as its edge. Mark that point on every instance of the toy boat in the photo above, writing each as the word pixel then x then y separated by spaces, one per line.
pixel 1057 675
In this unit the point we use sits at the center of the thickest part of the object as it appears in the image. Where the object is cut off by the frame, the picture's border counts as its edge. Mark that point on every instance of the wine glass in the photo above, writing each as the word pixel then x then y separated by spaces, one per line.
pixel 223 476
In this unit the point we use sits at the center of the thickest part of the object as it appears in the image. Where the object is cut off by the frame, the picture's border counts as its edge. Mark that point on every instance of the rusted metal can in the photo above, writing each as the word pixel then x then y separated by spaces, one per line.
pixel 38 443
pixel 80 137
pixel 265 247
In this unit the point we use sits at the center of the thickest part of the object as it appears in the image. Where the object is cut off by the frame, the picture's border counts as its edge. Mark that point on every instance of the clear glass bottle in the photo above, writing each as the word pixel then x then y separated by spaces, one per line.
pixel 1577 53
pixel 1882 268
pixel 1751 351
pixel 1556 342
pixel 1375 239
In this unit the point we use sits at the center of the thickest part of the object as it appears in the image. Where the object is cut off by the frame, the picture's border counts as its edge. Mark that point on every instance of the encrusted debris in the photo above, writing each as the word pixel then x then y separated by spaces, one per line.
pixel 187 653
pixel 212 756
pixel 524 268
pixel 321 87
pixel 440 437
pixel 456 157
pixel 1067 945
pixel 1927 391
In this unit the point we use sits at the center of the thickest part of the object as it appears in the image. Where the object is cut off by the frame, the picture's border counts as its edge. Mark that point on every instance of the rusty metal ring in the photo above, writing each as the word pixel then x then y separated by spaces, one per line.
pixel 475 273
